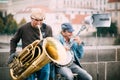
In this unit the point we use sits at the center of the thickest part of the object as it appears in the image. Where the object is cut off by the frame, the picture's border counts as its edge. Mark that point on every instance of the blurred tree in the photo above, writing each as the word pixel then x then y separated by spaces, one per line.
pixel 11 25
pixel 113 29
pixel 117 40
pixel 102 31
pixel 23 21
pixel 1 16
pixel 2 26
pixel 107 31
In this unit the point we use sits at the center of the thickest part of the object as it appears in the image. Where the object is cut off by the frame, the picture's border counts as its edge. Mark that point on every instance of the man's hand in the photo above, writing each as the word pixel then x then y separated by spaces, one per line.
pixel 11 57
pixel 67 48
pixel 78 40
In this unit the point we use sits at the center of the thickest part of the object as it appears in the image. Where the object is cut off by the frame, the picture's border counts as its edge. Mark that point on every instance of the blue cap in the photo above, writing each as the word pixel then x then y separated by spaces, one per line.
pixel 67 26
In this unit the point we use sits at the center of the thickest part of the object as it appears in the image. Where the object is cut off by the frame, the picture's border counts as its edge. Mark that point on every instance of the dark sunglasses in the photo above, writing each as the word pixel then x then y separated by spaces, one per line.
pixel 38 19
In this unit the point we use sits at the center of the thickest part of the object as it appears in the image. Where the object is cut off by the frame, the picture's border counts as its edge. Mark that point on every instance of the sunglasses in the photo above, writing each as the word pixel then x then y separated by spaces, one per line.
pixel 38 19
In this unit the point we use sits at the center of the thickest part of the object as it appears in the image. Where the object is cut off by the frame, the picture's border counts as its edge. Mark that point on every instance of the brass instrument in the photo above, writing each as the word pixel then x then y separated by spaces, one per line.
pixel 34 56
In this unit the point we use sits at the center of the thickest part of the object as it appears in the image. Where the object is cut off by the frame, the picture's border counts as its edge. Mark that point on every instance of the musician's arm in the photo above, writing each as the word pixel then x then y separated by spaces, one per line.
pixel 14 41
pixel 13 45
pixel 79 50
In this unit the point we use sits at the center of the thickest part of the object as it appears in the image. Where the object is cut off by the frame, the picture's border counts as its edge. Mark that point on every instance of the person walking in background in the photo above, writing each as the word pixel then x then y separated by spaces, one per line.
pixel 28 33
pixel 74 47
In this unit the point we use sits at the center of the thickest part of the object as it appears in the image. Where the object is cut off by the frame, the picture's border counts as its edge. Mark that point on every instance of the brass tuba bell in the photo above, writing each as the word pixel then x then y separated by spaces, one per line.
pixel 36 55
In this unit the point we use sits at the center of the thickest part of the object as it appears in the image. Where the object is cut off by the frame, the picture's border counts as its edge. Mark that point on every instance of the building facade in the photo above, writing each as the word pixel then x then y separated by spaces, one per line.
pixel 113 8
pixel 74 10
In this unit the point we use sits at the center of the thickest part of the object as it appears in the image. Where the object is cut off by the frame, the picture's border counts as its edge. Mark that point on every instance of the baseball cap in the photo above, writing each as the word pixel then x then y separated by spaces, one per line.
pixel 37 14
pixel 67 26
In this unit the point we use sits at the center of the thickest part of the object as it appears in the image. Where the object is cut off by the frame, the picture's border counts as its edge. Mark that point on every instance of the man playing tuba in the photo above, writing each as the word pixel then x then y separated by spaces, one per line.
pixel 28 33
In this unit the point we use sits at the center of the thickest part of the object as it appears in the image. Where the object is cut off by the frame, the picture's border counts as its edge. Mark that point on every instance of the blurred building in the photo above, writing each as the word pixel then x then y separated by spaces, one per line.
pixel 74 10
pixel 114 8
pixel 4 6
pixel 71 7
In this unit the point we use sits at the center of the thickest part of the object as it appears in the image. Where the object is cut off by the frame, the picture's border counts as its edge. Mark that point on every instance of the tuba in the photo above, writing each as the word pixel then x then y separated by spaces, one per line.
pixel 36 55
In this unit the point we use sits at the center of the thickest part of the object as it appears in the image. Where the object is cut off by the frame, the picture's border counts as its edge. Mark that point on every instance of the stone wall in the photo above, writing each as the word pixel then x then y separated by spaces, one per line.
pixel 4 69
pixel 89 40
pixel 103 63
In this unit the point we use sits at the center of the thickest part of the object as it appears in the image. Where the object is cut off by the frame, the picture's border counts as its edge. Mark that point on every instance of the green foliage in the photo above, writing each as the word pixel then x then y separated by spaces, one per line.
pixel 2 26
pixel 11 25
pixel 117 41
pixel 8 24
pixel 107 31
pixel 102 31
pixel 113 29
pixel 1 15
pixel 23 21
